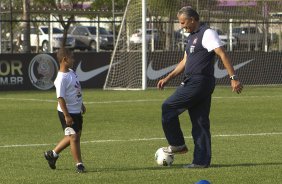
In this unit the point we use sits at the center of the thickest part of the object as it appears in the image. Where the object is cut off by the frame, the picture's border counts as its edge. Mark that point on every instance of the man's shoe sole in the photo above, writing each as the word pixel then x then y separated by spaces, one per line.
pixel 195 166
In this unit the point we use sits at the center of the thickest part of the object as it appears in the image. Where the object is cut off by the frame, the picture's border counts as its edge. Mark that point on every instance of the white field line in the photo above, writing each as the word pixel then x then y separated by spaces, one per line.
pixel 133 140
pixel 131 101
pixel 141 139
pixel 27 99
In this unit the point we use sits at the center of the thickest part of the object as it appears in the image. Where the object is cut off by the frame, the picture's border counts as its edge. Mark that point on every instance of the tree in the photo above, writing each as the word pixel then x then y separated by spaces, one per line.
pixel 164 11
pixel 26 27
pixel 107 5
pixel 9 29
pixel 61 6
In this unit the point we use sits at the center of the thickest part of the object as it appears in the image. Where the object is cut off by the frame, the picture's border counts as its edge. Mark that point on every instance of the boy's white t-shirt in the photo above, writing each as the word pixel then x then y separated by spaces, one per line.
pixel 68 87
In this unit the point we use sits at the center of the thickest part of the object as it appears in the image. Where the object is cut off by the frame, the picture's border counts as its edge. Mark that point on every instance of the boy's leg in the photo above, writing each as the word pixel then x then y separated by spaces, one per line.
pixel 75 141
pixel 64 143
pixel 71 138
pixel 75 147
pixel 52 157
pixel 76 152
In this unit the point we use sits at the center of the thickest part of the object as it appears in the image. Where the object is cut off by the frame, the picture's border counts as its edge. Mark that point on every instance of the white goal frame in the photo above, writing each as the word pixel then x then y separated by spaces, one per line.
pixel 144 46
pixel 144 50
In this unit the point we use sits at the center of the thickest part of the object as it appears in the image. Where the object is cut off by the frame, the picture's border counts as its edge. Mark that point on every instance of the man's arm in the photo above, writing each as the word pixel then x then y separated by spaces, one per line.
pixel 235 84
pixel 178 70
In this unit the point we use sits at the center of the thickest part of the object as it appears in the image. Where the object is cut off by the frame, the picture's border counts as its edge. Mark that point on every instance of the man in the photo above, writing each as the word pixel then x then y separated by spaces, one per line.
pixel 196 89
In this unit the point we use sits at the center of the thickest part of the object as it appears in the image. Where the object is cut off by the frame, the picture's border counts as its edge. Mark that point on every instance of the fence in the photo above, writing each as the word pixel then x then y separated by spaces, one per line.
pixel 250 25
pixel 12 29
pixel 241 25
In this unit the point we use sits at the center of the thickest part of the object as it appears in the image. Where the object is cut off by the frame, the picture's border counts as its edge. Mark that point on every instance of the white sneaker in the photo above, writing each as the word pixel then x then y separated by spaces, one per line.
pixel 176 149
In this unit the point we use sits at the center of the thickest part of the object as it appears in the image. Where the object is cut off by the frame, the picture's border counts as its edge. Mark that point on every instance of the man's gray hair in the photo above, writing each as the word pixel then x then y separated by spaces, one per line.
pixel 188 12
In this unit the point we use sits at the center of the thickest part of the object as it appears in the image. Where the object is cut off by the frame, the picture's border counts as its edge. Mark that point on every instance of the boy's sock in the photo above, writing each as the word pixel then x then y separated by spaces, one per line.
pixel 55 154
pixel 79 163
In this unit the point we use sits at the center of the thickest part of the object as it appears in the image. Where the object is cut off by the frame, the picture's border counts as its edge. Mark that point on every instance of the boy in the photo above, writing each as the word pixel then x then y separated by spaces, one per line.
pixel 70 109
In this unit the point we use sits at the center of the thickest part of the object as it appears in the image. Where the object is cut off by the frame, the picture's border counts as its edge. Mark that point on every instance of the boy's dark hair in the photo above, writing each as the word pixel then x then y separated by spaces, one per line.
pixel 63 52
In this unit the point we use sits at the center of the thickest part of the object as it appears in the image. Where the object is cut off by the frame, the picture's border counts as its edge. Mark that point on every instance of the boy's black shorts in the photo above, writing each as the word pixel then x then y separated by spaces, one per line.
pixel 77 121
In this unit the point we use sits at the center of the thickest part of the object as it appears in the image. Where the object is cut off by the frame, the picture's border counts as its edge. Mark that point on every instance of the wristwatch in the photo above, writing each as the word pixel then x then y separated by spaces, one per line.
pixel 234 77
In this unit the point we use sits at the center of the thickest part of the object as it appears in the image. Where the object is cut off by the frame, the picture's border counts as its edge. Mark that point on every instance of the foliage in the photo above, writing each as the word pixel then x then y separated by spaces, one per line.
pixel 107 5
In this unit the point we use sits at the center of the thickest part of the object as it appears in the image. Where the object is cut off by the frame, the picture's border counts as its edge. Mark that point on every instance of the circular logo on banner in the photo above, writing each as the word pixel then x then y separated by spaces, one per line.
pixel 42 71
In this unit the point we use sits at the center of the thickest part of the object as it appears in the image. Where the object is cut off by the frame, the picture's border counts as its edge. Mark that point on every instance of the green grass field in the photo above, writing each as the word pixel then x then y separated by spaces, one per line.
pixel 122 130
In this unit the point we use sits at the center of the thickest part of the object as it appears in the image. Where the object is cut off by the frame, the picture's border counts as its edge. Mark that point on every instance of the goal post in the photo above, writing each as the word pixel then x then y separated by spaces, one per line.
pixel 144 46
pixel 127 70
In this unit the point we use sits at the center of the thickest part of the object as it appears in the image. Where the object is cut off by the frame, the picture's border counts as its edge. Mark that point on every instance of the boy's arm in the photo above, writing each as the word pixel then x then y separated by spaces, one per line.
pixel 68 118
pixel 83 108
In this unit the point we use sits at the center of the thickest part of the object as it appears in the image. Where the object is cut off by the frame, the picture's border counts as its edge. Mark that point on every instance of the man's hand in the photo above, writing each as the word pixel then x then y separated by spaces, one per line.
pixel 162 83
pixel 236 86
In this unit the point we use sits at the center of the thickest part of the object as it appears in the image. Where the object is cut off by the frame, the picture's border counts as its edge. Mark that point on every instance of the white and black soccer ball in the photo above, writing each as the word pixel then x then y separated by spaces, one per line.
pixel 163 159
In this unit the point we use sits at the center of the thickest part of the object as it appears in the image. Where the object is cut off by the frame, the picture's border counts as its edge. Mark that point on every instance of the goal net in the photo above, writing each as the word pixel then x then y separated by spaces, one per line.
pixel 125 71
pixel 249 30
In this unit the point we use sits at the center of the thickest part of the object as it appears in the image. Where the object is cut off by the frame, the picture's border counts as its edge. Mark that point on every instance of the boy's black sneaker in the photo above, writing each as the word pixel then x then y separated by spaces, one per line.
pixel 80 168
pixel 51 159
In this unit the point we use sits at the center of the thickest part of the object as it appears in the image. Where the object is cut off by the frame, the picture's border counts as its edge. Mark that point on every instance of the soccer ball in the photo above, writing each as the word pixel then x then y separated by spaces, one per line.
pixel 163 159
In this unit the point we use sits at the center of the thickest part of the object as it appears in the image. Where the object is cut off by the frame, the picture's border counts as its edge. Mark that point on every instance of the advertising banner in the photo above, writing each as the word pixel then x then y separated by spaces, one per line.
pixel 38 71
pixel 27 71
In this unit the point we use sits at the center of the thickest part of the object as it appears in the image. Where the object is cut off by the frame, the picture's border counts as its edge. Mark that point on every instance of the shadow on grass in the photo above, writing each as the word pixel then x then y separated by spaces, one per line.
pixel 118 169
pixel 245 164
pixel 175 166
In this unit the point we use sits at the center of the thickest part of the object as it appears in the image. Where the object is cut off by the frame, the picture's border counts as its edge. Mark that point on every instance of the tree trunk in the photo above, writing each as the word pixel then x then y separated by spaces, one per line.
pixel 26 27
